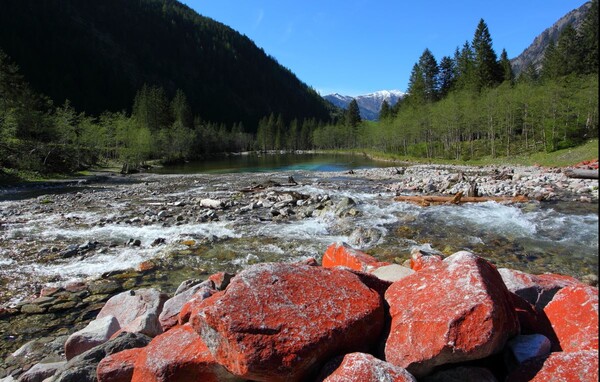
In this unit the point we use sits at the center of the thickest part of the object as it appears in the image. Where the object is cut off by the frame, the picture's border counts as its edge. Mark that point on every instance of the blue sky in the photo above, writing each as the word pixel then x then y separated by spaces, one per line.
pixel 355 47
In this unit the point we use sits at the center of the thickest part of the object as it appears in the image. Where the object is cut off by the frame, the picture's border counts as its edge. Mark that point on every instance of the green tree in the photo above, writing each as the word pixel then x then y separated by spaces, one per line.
pixel 507 72
pixel 353 118
pixel 385 112
pixel 488 72
pixel 446 76
pixel 589 40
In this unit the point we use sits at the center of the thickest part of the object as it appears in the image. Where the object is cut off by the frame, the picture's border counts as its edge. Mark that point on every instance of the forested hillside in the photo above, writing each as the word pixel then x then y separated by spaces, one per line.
pixel 98 54
pixel 471 105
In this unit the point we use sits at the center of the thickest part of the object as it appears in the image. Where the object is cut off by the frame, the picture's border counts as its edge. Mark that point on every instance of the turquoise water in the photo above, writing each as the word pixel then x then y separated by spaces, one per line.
pixel 272 163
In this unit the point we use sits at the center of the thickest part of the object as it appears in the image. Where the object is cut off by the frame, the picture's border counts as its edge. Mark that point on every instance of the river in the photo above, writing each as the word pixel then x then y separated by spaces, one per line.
pixel 158 229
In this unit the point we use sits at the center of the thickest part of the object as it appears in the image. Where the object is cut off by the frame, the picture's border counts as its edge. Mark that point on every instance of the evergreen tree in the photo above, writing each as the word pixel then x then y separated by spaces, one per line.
pixel 447 76
pixel 465 68
pixel 488 72
pixel 385 111
pixel 507 72
pixel 353 114
pixel 416 86
pixel 430 71
pixel 180 109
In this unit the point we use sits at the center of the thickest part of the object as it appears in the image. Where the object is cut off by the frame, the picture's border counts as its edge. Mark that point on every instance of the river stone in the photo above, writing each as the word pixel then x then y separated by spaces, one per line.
pixel 362 367
pixel 392 272
pixel 580 366
pixel 136 311
pixel 281 322
pixel 461 374
pixel 457 311
pixel 178 355
pixel 118 367
pixel 522 348
pixel 41 371
pixel 573 313
pixel 95 333
pixel 341 254
pixel 536 289
pixel 82 368
pixel 172 307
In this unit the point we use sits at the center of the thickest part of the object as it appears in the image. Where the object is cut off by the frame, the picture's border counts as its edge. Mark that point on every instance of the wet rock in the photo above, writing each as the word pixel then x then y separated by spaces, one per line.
pixel 364 237
pixel 41 371
pixel 280 322
pixel 341 254
pixel 343 207
pixel 118 367
pixel 361 367
pixel 178 355
pixel 104 287
pixel 136 311
pixel 457 311
pixel 573 313
pixel 580 366
pixel 95 333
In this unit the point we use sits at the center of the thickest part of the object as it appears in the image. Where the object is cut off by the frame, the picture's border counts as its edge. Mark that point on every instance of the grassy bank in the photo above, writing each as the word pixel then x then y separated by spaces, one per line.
pixel 559 158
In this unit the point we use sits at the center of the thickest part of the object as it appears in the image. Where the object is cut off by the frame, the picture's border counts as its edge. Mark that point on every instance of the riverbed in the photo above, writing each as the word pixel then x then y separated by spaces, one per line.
pixel 66 248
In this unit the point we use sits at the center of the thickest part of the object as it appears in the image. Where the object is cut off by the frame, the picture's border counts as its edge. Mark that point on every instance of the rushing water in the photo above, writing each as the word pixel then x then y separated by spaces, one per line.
pixel 35 233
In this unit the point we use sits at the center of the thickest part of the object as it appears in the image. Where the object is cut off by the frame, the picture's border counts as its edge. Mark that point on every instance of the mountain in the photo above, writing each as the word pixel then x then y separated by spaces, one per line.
pixel 368 104
pixel 535 52
pixel 98 54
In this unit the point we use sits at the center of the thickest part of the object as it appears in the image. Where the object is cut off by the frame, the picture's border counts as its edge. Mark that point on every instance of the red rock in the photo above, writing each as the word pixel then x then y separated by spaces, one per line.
pixel 581 366
pixel 178 355
pixel 457 311
pixel 538 290
pixel 361 367
pixel 220 280
pixel 193 306
pixel 118 367
pixel 421 260
pixel 145 266
pixel 136 311
pixel 280 322
pixel 573 313
pixel 343 255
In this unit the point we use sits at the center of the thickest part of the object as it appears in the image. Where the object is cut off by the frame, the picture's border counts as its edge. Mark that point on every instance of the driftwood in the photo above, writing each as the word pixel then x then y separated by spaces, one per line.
pixel 458 199
pixel 581 173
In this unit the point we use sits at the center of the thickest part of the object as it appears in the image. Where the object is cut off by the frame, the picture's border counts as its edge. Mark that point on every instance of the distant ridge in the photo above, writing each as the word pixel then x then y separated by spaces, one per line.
pixel 534 54
pixel 99 53
pixel 368 104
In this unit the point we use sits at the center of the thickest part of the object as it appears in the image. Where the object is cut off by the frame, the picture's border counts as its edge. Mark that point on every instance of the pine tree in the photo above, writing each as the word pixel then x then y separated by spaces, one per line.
pixel 416 86
pixel 385 111
pixel 430 70
pixel 465 68
pixel 447 76
pixel 353 118
pixel 507 73
pixel 487 70
pixel 181 111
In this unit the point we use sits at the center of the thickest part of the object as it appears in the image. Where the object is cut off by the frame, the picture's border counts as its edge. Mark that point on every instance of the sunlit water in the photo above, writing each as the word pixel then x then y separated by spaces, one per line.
pixel 534 237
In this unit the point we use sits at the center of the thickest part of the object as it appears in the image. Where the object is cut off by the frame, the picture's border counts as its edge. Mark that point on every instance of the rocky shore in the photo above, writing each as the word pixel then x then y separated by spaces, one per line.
pixel 351 318
pixel 39 315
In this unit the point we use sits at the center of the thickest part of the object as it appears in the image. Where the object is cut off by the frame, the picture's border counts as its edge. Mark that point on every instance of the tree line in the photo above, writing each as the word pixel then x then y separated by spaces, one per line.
pixel 471 105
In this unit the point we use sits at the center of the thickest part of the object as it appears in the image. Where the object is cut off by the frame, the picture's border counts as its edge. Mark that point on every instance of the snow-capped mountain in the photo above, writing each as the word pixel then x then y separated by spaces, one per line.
pixel 368 104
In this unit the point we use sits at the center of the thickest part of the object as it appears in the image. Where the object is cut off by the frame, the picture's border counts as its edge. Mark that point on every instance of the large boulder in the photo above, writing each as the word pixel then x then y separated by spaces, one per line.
pixel 457 311
pixel 41 371
pixel 341 254
pixel 95 333
pixel 573 313
pixel 581 366
pixel 178 355
pixel 281 322
pixel 538 290
pixel 362 367
pixel 137 311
